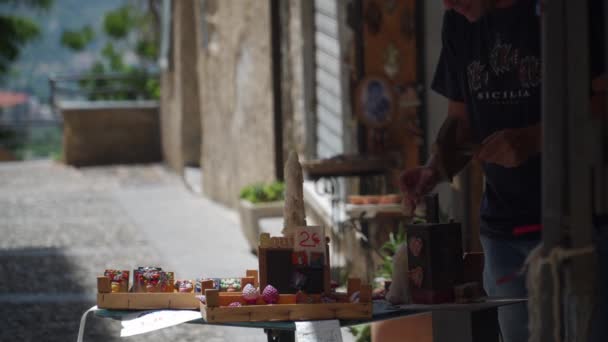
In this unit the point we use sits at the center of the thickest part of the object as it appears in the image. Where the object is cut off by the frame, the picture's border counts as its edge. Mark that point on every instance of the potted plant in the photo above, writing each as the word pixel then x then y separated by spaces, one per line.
pixel 258 201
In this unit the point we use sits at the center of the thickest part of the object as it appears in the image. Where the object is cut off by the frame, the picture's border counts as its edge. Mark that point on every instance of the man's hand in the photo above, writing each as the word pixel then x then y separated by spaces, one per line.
pixel 511 147
pixel 415 183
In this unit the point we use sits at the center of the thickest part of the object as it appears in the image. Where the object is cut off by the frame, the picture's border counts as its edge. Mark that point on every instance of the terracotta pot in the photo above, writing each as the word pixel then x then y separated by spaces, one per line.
pixel 415 328
pixel 356 199
pixel 390 199
pixel 372 199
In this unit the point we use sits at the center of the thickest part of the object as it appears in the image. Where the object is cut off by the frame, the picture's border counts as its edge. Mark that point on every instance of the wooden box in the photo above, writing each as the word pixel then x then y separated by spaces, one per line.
pixel 435 263
pixel 217 307
pixel 279 267
pixel 142 301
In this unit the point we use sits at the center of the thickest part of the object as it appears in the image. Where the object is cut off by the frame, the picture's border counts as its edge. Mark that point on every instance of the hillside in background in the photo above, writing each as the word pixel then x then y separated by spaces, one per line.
pixel 46 56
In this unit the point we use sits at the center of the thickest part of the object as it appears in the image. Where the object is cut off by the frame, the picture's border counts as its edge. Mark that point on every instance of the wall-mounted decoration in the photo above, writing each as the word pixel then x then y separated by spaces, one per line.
pixel 392 61
pixel 373 17
pixel 375 101
pixel 392 52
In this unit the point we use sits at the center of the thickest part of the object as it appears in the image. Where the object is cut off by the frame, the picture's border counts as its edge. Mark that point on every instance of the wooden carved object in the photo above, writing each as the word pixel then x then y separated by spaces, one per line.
pixel 293 213
pixel 399 291
pixel 434 258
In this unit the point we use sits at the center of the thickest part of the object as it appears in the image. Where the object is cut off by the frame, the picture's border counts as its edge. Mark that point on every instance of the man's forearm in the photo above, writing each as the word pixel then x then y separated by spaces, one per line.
pixel 452 149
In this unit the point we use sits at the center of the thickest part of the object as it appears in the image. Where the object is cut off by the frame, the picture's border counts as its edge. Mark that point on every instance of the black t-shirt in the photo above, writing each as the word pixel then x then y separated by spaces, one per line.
pixel 494 67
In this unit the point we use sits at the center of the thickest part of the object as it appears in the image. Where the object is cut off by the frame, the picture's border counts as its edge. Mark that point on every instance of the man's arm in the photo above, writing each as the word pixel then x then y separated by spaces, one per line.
pixel 451 152
pixel 453 146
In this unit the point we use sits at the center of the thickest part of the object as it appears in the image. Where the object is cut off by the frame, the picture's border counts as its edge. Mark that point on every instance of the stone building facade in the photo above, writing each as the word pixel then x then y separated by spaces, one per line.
pixel 180 90
pixel 217 106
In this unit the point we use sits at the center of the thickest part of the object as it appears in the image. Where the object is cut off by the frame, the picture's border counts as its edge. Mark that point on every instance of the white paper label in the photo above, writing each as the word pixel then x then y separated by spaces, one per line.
pixel 157 320
pixel 318 331
pixel 310 238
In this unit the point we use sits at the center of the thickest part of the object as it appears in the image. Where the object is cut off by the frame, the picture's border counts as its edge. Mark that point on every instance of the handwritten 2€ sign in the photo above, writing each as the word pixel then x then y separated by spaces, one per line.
pixel 310 239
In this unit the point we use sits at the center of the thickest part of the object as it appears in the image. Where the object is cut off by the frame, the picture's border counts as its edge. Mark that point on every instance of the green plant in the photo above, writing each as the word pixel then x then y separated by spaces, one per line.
pixel 260 192
pixel 363 332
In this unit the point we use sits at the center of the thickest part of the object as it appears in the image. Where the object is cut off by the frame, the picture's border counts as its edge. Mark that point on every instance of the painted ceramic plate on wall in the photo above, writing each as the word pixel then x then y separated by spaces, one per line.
pixel 375 101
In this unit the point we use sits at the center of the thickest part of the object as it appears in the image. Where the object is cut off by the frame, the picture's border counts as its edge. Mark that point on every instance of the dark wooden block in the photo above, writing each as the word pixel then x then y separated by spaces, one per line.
pixel 435 263
pixel 277 268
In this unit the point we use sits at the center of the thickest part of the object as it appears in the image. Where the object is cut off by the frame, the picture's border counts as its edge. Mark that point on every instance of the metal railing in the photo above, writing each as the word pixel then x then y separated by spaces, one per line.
pixel 71 86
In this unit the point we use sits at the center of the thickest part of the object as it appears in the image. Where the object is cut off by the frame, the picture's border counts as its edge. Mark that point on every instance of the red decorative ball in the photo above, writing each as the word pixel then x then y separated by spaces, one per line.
pixel 270 294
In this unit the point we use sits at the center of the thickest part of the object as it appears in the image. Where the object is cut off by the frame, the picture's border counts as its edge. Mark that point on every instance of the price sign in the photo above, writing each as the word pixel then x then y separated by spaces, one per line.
pixel 310 239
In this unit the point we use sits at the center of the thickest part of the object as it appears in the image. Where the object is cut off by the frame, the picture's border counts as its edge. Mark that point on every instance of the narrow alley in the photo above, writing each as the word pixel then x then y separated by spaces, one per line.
pixel 61 227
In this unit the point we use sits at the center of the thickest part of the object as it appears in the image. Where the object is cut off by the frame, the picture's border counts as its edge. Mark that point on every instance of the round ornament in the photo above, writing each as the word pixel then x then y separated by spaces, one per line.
pixel 375 101
pixel 250 294
pixel 270 294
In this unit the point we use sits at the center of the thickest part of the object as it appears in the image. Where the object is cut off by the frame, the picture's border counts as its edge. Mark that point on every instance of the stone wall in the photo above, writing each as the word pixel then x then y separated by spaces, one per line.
pixel 170 122
pixel 180 111
pixel 187 42
pixel 236 98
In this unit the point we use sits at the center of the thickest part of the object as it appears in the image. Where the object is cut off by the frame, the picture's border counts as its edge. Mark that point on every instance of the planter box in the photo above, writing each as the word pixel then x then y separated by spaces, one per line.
pixel 251 213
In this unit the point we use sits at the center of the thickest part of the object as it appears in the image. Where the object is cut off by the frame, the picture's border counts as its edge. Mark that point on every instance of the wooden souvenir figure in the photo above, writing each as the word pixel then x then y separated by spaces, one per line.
pixel 293 212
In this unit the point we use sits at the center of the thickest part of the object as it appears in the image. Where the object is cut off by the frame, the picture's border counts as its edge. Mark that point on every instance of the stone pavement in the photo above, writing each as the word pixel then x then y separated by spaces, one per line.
pixel 61 227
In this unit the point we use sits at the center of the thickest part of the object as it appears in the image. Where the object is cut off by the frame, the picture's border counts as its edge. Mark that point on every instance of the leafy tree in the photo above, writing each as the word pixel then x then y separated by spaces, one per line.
pixel 119 22
pixel 16 31
pixel 78 40
pixel 134 28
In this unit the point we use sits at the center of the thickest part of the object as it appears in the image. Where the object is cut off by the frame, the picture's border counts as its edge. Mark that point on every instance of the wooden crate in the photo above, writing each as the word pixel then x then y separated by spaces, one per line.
pixel 142 301
pixel 147 301
pixel 217 310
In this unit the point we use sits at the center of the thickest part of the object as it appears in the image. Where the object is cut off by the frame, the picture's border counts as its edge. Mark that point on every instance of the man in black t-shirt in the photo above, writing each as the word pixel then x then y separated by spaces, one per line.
pixel 490 71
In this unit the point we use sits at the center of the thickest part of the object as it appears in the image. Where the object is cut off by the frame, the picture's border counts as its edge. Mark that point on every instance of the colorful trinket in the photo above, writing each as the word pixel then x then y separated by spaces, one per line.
pixel 230 284
pixel 119 280
pixel 203 283
pixel 184 286
pixel 152 279
pixel 250 294
pixel 235 304
pixel 270 294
